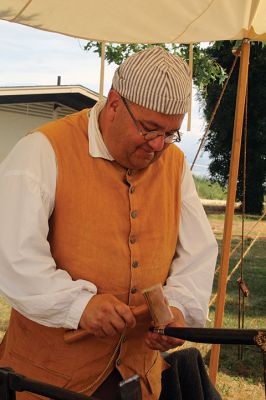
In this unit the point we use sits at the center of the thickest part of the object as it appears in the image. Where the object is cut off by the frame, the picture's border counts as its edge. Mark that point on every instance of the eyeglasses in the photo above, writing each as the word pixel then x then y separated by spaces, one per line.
pixel 169 137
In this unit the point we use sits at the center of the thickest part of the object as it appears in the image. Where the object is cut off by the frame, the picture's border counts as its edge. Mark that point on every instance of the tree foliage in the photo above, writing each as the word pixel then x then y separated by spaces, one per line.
pixel 210 68
pixel 205 68
pixel 220 137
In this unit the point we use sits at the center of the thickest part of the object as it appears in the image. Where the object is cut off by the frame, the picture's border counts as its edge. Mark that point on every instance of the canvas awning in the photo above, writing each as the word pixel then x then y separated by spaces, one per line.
pixel 143 21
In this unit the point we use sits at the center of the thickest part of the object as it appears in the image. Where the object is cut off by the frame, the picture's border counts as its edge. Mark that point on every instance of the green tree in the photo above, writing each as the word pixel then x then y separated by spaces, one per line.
pixel 210 68
pixel 219 140
pixel 205 68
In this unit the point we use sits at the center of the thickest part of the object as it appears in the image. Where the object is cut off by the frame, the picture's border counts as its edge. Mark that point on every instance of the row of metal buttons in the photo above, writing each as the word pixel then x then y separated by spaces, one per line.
pixel 132 238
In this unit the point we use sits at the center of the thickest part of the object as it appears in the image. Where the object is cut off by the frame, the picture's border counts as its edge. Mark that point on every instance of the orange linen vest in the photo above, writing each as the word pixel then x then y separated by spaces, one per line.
pixel 114 227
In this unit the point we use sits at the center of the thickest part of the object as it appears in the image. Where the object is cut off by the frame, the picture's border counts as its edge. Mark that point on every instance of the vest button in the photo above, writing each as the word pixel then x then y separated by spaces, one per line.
pixel 132 189
pixel 135 264
pixel 129 172
pixel 124 339
pixel 134 214
pixel 134 290
pixel 118 361
pixel 132 239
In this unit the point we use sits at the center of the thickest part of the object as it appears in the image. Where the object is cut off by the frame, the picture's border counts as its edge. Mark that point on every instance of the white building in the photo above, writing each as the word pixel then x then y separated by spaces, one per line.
pixel 23 109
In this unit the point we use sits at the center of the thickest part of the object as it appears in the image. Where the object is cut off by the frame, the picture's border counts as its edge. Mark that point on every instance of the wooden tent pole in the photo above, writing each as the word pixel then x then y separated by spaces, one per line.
pixel 191 85
pixel 102 70
pixel 229 213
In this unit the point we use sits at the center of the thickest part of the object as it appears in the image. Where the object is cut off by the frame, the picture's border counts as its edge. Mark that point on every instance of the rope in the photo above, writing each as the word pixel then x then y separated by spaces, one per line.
pixel 215 109
pixel 240 241
pixel 20 11
pixel 237 265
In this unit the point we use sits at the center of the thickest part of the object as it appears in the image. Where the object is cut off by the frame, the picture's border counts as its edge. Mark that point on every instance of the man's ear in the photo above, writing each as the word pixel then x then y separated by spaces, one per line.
pixel 113 103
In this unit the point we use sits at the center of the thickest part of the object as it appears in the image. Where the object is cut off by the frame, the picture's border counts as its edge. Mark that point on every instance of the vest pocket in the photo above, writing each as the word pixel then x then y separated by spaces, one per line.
pixel 41 373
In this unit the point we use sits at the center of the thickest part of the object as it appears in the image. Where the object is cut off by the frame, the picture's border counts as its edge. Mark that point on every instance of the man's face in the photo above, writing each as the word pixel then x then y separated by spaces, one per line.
pixel 122 135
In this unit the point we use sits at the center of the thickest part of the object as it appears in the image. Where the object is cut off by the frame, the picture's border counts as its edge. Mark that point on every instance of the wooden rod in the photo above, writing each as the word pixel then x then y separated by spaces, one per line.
pixel 102 70
pixel 229 214
pixel 191 84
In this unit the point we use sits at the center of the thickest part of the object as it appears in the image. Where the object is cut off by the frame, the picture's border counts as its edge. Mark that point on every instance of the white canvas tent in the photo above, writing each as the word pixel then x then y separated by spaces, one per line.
pixel 160 21
pixel 143 21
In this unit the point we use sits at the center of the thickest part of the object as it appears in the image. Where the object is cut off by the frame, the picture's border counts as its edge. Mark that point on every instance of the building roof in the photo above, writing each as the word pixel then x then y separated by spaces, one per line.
pixel 73 96
pixel 46 101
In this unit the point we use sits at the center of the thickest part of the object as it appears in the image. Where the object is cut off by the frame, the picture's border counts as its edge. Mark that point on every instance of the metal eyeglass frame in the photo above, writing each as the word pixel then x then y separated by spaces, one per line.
pixel 173 137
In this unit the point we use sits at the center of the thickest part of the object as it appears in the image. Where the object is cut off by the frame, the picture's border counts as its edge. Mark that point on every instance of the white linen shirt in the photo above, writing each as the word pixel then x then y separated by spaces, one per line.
pixel 29 279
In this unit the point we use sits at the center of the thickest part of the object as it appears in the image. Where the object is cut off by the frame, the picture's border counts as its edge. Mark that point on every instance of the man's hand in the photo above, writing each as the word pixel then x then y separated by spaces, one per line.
pixel 163 343
pixel 105 315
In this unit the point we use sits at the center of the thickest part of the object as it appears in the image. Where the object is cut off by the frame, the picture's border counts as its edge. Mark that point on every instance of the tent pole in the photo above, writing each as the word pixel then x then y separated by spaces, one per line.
pixel 102 70
pixel 229 213
pixel 191 84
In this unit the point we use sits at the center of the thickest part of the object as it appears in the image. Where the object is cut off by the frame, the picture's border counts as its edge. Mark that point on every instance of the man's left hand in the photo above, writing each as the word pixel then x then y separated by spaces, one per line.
pixel 164 343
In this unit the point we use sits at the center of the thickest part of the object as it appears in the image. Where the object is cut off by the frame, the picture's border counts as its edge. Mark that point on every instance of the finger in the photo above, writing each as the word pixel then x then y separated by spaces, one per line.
pixel 109 330
pixel 124 312
pixel 111 323
pixel 154 336
pixel 158 346
pixel 99 333
pixel 155 340
pixel 155 345
pixel 173 342
pixel 162 342
pixel 118 323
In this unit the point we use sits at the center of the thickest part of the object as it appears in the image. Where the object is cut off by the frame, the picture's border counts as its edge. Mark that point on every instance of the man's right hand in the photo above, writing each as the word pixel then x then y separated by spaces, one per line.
pixel 105 315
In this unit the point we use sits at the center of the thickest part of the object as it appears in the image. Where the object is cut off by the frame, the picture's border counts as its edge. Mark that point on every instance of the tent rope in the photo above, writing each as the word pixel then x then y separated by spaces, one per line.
pixel 235 268
pixel 213 299
pixel 203 139
pixel 20 11
pixel 240 241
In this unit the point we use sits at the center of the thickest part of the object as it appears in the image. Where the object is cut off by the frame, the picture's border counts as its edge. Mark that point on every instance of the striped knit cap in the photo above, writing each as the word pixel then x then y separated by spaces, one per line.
pixel 155 79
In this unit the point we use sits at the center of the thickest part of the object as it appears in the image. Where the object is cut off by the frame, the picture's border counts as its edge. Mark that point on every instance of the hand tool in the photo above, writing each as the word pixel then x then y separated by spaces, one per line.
pixel 156 304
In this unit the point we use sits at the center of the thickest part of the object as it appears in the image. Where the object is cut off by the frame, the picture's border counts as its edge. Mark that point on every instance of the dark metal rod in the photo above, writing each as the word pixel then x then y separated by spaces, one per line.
pixel 18 383
pixel 212 335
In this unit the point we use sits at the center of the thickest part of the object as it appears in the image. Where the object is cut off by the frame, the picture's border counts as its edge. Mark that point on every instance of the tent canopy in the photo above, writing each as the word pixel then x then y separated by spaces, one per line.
pixel 143 21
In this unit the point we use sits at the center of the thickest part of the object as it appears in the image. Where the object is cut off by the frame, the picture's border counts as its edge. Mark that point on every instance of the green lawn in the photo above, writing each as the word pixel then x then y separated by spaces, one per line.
pixel 208 190
pixel 238 376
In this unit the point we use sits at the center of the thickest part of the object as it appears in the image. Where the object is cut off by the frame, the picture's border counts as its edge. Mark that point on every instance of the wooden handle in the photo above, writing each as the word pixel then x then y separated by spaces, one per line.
pixel 75 335
pixel 140 310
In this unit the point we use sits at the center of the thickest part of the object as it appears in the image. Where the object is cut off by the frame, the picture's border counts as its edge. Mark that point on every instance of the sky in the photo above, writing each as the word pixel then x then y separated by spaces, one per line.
pixel 31 57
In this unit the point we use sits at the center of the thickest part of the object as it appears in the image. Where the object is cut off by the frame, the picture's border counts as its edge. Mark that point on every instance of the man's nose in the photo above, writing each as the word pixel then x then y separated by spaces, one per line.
pixel 157 144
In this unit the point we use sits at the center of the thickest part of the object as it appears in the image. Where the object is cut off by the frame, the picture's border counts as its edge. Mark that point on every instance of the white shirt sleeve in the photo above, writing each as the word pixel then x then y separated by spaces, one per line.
pixel 189 284
pixel 28 276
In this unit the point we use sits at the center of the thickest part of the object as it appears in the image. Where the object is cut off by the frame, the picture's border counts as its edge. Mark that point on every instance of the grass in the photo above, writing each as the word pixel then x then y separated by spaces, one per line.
pixel 241 378
pixel 237 378
pixel 208 190
pixel 4 316
pixel 237 217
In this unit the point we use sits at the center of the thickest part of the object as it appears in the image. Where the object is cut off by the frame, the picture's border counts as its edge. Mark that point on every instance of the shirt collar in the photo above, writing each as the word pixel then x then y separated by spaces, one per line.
pixel 97 146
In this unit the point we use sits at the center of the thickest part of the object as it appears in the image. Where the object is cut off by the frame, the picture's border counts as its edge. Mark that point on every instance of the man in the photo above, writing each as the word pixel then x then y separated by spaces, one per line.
pixel 95 208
